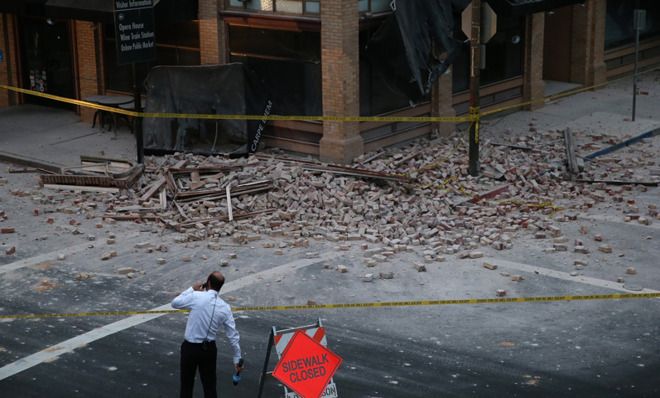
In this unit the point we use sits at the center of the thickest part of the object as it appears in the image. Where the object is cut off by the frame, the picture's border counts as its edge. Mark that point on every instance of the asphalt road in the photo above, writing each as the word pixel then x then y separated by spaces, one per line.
pixel 566 349
pixel 585 349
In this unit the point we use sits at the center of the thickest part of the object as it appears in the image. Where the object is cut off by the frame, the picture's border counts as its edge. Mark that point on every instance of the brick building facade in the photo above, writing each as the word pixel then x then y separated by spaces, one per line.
pixel 313 52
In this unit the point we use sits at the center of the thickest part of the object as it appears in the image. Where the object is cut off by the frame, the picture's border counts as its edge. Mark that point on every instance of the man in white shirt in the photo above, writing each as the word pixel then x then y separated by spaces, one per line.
pixel 207 313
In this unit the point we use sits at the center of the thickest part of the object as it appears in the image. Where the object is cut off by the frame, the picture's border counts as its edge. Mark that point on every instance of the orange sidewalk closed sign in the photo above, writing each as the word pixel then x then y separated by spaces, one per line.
pixel 306 366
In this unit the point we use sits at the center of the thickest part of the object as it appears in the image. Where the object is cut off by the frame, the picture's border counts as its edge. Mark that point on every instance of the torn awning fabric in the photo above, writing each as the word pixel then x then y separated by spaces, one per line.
pixel 526 7
pixel 413 29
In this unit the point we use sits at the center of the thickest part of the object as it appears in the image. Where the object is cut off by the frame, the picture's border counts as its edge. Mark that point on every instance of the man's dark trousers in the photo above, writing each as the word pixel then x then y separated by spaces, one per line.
pixel 193 356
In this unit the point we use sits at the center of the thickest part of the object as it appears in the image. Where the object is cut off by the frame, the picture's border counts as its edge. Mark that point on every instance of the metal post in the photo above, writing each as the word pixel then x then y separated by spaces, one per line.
pixel 475 77
pixel 137 122
pixel 262 379
pixel 638 24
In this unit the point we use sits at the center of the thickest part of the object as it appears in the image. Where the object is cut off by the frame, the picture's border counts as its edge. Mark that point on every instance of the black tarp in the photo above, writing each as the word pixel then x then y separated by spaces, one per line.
pixel 402 48
pixel 218 89
pixel 525 7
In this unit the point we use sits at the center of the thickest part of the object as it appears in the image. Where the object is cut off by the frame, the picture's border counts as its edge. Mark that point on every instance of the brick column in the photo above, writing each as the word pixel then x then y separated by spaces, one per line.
pixel 588 47
pixel 8 66
pixel 88 77
pixel 442 103
pixel 211 33
pixel 340 65
pixel 533 86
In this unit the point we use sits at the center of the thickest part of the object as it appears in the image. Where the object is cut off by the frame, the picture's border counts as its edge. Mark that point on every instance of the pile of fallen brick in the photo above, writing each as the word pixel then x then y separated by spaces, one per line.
pixel 419 196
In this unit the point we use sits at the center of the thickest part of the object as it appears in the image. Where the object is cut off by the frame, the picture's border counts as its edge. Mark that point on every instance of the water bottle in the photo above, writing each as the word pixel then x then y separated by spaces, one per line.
pixel 236 377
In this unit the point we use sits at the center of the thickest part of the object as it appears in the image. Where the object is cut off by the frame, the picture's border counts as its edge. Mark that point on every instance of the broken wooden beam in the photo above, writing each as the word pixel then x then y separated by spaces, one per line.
pixel 571 159
pixel 30 162
pixel 153 188
pixel 620 182
pixel 82 188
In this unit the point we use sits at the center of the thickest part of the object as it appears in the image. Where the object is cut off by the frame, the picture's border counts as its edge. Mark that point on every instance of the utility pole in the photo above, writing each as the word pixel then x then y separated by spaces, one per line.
pixel 475 77
pixel 639 24
pixel 137 121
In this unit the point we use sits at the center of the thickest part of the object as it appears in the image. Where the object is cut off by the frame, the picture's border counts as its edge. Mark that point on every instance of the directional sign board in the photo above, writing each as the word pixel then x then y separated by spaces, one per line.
pixel 306 366
pixel 135 31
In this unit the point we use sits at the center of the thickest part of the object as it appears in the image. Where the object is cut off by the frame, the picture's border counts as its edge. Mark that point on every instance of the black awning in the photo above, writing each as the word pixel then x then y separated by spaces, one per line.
pixel 86 10
pixel 102 10
pixel 27 7
pixel 525 7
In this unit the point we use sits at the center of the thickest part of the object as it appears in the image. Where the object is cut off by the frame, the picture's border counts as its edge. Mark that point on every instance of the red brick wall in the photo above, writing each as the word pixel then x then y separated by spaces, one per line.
pixel 209 39
pixel 341 142
pixel 8 67
pixel 86 62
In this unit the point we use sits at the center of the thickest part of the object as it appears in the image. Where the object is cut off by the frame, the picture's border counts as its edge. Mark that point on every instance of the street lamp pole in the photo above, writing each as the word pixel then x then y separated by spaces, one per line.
pixel 475 77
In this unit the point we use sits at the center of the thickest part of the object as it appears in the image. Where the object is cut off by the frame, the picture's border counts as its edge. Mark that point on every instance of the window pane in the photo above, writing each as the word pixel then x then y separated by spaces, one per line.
pixel 619 26
pixel 312 7
pixel 289 6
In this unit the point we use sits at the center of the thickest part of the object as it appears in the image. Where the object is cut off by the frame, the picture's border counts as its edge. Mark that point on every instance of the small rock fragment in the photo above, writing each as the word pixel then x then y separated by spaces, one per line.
pixel 387 275
pixel 476 254
pixel 490 266
pixel 420 267
pixel 125 270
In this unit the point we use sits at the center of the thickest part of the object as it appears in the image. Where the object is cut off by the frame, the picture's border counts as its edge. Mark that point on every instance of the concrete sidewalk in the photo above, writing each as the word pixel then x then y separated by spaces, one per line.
pixel 58 136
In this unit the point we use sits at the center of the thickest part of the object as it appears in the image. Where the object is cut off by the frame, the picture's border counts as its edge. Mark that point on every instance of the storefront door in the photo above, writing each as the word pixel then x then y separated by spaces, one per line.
pixel 46 59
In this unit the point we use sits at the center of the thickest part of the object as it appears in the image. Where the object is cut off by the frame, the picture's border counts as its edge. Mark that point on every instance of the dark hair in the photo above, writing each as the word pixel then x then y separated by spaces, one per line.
pixel 215 283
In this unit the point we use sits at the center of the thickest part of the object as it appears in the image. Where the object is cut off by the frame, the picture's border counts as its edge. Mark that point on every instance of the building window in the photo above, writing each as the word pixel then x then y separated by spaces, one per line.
pixel 287 63
pixel 301 7
pixel 381 89
pixel 282 6
pixel 177 43
pixel 619 26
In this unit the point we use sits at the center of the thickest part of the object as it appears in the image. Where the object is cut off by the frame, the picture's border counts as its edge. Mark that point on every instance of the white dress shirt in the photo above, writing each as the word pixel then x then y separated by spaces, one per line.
pixel 202 325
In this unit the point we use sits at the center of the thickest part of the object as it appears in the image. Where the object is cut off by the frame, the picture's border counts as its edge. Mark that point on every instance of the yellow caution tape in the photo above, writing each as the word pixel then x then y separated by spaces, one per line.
pixel 341 119
pixel 384 304
pixel 474 115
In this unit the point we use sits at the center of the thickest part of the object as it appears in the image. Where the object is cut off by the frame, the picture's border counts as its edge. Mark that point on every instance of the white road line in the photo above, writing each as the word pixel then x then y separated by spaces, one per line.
pixel 532 269
pixel 67 251
pixel 619 220
pixel 70 345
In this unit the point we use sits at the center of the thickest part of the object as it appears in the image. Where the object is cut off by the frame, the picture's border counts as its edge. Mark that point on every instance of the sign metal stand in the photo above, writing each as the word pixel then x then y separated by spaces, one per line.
pixel 279 339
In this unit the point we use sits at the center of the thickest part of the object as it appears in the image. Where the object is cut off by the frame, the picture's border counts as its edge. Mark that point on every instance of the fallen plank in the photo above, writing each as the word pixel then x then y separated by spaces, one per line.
pixel 163 199
pixel 26 170
pixel 31 162
pixel 571 160
pixel 153 188
pixel 619 182
pixel 628 142
pixel 82 188
pixel 229 208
